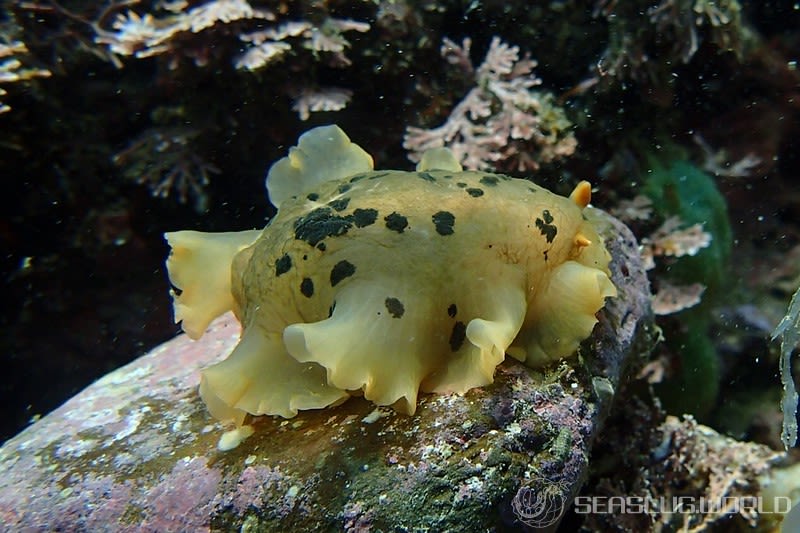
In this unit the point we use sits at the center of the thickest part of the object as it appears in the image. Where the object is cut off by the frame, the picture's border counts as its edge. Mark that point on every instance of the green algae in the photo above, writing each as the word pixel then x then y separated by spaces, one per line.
pixel 679 188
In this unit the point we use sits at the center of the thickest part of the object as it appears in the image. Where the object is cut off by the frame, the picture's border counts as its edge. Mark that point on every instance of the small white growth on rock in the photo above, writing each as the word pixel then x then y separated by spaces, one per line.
pixel 177 425
pixel 440 449
pixel 514 429
pixel 474 483
pixel 374 416
pixel 233 438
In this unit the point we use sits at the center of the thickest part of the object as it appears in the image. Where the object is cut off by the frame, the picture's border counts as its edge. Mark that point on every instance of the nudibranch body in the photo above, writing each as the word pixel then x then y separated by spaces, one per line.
pixel 388 283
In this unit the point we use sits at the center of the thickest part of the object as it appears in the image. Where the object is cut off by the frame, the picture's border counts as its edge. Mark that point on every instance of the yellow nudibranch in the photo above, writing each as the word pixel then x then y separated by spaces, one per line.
pixel 388 283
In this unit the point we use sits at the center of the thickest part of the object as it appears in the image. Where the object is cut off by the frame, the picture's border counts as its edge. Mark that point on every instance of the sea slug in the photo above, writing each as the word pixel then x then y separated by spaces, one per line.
pixel 388 283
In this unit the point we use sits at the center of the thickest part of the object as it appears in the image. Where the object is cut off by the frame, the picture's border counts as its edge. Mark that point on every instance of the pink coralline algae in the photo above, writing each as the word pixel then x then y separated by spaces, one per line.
pixel 501 123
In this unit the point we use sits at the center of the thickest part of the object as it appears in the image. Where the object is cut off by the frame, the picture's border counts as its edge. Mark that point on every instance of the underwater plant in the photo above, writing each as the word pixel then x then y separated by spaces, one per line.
pixel 647 41
pixel 680 189
pixel 12 68
pixel 163 160
pixel 789 331
pixel 501 123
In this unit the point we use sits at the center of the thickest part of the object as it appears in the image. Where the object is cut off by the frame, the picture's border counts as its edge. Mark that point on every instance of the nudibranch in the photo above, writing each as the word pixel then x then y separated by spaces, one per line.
pixel 388 283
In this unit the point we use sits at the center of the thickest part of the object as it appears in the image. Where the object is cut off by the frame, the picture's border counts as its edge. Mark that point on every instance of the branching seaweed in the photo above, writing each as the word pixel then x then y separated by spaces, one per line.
pixel 789 331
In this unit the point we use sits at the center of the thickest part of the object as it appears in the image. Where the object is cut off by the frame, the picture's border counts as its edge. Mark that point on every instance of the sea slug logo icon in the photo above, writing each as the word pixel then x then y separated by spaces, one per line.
pixel 540 502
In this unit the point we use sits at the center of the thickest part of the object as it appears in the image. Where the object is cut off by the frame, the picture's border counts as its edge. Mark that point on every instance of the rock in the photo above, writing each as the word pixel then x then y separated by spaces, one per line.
pixel 137 450
pixel 691 478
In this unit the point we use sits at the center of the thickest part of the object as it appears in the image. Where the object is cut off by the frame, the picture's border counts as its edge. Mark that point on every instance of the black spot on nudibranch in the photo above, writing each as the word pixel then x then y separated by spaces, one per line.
pixel 340 204
pixel 396 222
pixel 461 184
pixel 490 180
pixel 357 177
pixel 452 310
pixel 313 196
pixel 427 176
pixel 545 227
pixel 474 192
pixel 457 336
pixel 323 222
pixel 343 188
pixel 283 265
pixel 364 217
pixel 321 247
pixel 444 221
pixel 340 271
pixel 395 307
pixel 320 223
pixel 307 287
